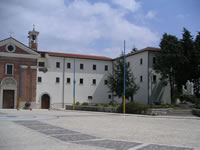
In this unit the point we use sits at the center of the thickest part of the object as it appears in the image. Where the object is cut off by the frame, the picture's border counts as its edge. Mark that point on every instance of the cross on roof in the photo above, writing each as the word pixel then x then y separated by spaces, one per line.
pixel 10 33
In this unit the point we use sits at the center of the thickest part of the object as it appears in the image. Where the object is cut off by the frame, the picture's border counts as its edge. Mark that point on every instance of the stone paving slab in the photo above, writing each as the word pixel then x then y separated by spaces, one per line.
pixel 77 137
pixel 29 122
pixel 62 131
pixel 163 147
pixel 117 145
pixel 41 127
pixel 88 140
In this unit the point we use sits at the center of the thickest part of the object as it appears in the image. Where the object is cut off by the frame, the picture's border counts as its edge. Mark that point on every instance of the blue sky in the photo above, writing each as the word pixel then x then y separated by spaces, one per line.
pixel 98 27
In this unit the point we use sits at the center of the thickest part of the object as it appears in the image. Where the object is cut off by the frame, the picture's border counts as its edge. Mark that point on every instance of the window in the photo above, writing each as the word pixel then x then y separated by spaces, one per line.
pixel 90 97
pixel 42 55
pixel 10 48
pixel 94 81
pixel 68 65
pixel 94 67
pixel 154 78
pixel 106 67
pixel 154 60
pixel 57 79
pixel 41 64
pixel 105 82
pixel 140 61
pixel 117 67
pixel 9 69
pixel 81 80
pixel 109 96
pixel 128 64
pixel 68 80
pixel 57 64
pixel 39 79
pixel 141 79
pixel 81 66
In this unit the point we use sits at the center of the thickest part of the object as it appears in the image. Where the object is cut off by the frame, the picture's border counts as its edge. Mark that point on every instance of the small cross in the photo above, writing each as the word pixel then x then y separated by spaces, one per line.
pixel 33 27
pixel 10 33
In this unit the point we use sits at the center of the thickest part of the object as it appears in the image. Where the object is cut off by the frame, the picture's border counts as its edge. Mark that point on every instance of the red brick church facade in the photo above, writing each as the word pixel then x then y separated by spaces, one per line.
pixel 18 72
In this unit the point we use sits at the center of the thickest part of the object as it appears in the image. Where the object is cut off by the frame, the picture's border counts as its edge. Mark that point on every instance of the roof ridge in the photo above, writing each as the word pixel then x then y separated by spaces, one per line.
pixel 61 54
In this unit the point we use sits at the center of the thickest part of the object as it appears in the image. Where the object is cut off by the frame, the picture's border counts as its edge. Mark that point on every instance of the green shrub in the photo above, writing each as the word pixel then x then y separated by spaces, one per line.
pixel 188 98
pixel 77 103
pixel 113 105
pixel 134 108
pixel 105 105
pixel 85 104
pixel 197 104
pixel 27 104
pixel 96 105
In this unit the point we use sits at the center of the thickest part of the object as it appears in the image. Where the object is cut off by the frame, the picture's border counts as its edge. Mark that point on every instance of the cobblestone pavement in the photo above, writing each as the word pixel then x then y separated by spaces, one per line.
pixel 47 127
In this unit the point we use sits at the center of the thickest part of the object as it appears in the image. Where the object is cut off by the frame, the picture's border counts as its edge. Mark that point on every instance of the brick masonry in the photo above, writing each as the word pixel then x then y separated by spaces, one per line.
pixel 29 75
pixel 18 50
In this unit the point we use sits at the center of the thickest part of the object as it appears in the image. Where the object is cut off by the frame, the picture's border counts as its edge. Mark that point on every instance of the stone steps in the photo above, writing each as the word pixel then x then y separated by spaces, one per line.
pixel 180 112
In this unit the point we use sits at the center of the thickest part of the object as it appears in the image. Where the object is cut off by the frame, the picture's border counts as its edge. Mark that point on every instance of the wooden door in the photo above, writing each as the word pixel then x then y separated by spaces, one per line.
pixel 45 104
pixel 8 98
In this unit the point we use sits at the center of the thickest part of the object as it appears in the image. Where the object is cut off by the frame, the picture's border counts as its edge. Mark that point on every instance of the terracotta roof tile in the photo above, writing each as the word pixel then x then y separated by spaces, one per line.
pixel 97 57
pixel 76 55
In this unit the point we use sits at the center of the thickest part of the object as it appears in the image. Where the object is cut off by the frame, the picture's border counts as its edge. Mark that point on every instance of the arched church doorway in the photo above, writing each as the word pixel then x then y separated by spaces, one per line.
pixel 8 93
pixel 45 101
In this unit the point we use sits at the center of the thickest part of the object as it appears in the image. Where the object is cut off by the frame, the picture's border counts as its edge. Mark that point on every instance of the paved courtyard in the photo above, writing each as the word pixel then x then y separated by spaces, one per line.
pixel 68 130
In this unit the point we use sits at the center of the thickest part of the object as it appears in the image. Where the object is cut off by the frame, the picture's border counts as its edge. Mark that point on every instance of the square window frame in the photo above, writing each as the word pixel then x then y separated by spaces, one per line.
pixel 39 65
pixel 6 69
pixel 68 79
pixel 68 65
pixel 57 81
pixel 94 83
pixel 105 82
pixel 81 66
pixel 81 83
pixel 57 66
pixel 106 68
pixel 40 79
pixel 94 67
pixel 141 61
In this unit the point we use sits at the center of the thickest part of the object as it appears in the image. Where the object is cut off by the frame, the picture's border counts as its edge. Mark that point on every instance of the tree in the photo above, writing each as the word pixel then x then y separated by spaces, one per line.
pixel 190 69
pixel 116 80
pixel 186 70
pixel 170 58
pixel 179 60
pixel 196 75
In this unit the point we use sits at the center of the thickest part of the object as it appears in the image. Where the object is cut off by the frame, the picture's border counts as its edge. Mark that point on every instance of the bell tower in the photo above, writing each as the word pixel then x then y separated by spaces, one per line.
pixel 33 38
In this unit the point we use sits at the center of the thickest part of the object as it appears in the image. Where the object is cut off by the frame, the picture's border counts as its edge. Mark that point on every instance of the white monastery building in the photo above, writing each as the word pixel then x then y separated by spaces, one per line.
pixel 46 79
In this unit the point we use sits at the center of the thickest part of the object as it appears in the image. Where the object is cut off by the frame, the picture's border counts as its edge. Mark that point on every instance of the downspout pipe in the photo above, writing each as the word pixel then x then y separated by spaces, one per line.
pixel 63 84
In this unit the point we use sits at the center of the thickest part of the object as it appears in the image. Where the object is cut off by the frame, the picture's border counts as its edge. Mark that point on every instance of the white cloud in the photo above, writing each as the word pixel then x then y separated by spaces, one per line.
pixel 131 5
pixel 150 14
pixel 78 27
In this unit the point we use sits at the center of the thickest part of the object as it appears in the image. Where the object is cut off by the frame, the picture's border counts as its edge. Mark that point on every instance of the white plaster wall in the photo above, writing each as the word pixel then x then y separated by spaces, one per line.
pixel 140 70
pixel 99 92
pixel 48 84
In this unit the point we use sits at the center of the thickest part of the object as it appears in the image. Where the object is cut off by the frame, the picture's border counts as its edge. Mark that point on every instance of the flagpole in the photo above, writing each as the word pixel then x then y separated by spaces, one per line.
pixel 124 101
